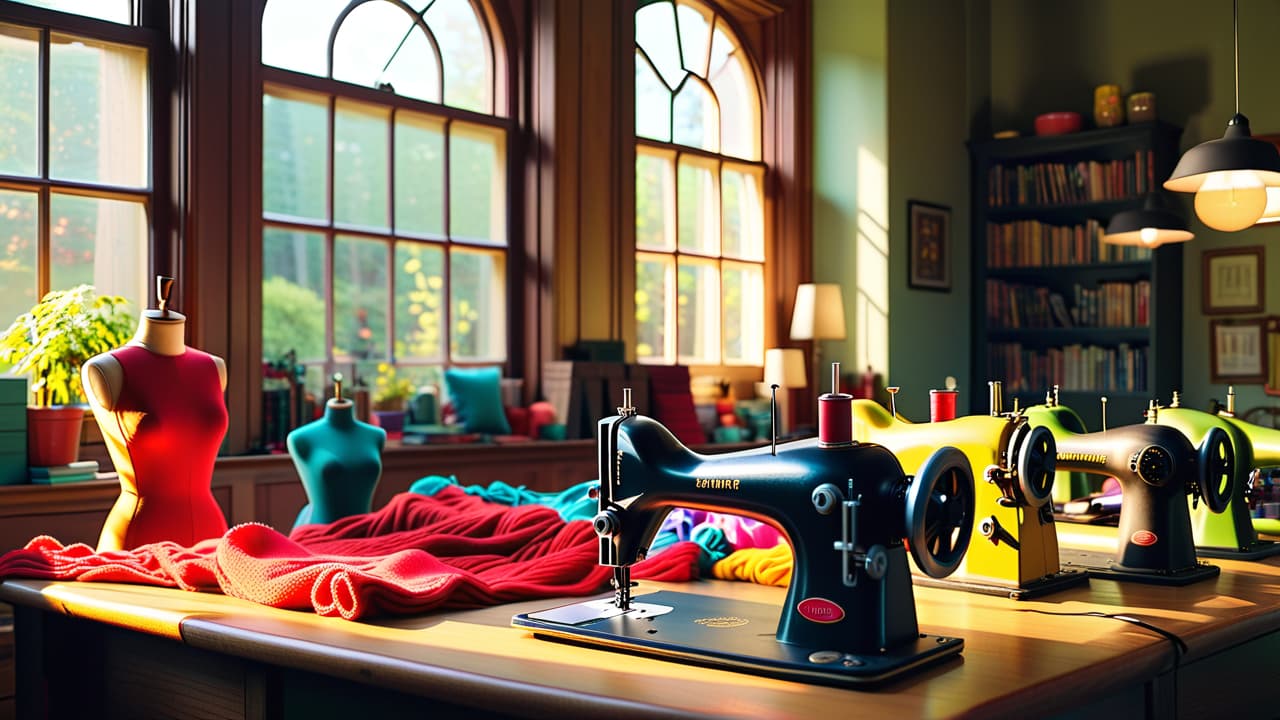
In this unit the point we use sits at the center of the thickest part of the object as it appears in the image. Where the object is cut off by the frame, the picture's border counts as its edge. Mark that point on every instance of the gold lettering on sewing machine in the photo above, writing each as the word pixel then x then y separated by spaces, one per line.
pixel 722 622
pixel 1094 458
pixel 716 483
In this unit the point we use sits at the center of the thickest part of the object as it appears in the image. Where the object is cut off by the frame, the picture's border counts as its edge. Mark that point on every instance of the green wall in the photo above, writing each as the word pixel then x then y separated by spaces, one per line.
pixel 850 201
pixel 892 107
pixel 1048 56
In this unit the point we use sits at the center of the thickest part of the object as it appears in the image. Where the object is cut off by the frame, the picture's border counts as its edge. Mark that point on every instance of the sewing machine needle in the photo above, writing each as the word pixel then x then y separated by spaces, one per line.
pixel 622 587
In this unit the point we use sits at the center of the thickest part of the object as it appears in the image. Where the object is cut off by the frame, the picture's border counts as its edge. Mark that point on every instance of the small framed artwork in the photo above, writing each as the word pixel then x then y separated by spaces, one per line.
pixel 1238 351
pixel 1233 280
pixel 929 233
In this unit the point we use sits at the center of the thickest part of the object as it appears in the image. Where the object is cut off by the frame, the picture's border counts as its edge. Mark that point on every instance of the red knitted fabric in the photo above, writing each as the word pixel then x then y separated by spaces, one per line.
pixel 419 553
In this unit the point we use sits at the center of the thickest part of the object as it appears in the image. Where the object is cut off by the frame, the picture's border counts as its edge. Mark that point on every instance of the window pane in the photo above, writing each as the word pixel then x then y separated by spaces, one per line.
pixel 379 43
pixel 743 213
pixel 292 294
pixel 423 376
pixel 655 189
pixel 467 75
pixel 19 100
pixel 739 109
pixel 99 242
pixel 419 174
pixel 295 152
pixel 743 293
pixel 413 70
pixel 360 150
pixel 653 103
pixel 117 11
pixel 295 34
pixel 699 208
pixel 695 35
pixel 722 46
pixel 98 112
pixel 359 298
pixel 478 304
pixel 419 302
pixel 477 183
pixel 18 244
pixel 698 310
pixel 696 122
pixel 655 275
pixel 656 35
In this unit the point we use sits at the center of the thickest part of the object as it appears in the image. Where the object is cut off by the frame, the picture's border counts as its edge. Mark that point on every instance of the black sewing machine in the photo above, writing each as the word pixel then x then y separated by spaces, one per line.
pixel 1158 467
pixel 849 615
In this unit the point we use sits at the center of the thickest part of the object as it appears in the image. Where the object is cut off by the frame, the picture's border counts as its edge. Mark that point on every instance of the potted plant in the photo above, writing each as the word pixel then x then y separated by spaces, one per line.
pixel 49 343
pixel 391 392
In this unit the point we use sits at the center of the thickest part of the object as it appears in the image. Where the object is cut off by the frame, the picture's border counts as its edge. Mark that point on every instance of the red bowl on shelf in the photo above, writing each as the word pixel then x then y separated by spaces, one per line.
pixel 1058 123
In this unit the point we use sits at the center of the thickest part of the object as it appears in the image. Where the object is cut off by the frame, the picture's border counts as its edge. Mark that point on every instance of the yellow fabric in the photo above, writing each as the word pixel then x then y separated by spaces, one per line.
pixel 763 566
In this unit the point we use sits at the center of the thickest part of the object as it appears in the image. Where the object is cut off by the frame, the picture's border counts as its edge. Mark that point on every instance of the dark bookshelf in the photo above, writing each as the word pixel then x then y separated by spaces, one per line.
pixel 1033 237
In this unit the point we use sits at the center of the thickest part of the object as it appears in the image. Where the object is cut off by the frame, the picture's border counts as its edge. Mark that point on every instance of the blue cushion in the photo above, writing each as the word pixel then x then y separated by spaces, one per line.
pixel 476 395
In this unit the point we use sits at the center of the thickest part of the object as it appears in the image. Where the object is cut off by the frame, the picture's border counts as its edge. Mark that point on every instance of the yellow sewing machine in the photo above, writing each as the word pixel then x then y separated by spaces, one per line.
pixel 849 615
pixel 1014 551
pixel 1229 534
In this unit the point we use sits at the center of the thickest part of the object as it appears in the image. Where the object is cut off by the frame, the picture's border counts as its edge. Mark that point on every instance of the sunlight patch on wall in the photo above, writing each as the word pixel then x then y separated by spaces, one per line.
pixel 871 295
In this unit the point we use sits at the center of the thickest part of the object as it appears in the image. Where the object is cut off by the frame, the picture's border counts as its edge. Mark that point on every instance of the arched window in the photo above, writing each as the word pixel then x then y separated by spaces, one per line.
pixel 700 244
pixel 384 186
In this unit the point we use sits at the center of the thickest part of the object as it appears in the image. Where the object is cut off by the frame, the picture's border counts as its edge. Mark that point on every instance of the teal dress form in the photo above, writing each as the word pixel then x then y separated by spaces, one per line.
pixel 339 460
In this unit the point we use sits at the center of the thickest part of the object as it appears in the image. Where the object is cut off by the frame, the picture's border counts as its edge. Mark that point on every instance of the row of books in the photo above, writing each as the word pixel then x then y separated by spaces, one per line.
pixel 1091 368
pixel 1031 243
pixel 1110 304
pixel 1067 183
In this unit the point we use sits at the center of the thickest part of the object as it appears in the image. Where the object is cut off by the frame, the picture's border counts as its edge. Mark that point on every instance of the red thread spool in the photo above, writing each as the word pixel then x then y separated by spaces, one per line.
pixel 942 405
pixel 835 419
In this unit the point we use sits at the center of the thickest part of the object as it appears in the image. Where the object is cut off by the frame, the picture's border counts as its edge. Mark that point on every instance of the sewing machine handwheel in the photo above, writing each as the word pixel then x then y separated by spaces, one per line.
pixel 1036 462
pixel 939 512
pixel 1217 465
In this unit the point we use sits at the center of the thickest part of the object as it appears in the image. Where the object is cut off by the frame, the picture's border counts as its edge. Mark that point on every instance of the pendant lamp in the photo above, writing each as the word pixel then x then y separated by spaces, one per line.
pixel 1229 176
pixel 1151 226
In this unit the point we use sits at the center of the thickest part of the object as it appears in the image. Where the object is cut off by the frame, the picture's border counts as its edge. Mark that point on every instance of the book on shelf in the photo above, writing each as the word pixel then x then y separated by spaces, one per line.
pixel 80 467
pixel 1031 243
pixel 1070 183
pixel 1112 304
pixel 1090 368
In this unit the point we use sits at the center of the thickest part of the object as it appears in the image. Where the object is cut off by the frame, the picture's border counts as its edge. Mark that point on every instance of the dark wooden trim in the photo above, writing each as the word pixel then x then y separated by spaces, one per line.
pixel 88 27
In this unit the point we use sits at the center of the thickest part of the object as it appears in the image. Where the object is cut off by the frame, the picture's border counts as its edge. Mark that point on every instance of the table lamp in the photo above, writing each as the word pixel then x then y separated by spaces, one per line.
pixel 784 367
pixel 818 315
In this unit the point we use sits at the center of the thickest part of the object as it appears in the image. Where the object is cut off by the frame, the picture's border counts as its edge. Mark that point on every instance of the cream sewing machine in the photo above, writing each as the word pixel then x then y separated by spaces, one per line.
pixel 849 615
pixel 1014 551
pixel 1229 534
pixel 1158 468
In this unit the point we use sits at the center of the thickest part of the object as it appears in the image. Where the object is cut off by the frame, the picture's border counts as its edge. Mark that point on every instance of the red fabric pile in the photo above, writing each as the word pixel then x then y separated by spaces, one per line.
pixel 419 553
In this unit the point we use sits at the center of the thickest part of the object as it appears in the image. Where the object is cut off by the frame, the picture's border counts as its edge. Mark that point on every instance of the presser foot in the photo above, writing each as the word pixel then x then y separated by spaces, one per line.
pixel 1060 580
pixel 728 634
pixel 1100 565
pixel 1256 550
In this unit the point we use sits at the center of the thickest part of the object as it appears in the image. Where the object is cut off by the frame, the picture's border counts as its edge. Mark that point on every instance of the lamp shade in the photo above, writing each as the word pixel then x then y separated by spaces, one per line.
pixel 1272 212
pixel 784 367
pixel 819 312
pixel 1229 177
pixel 1152 226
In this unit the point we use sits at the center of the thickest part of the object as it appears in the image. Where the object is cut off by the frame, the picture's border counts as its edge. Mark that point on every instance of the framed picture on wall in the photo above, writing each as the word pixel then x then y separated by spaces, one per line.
pixel 929 234
pixel 1233 280
pixel 1238 351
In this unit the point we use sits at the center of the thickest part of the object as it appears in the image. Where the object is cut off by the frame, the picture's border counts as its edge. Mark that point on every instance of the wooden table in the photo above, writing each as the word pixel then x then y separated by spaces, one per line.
pixel 145 651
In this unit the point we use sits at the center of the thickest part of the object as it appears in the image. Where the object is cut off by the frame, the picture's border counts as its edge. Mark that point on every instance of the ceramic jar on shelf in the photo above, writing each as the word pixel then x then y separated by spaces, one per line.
pixel 1107 108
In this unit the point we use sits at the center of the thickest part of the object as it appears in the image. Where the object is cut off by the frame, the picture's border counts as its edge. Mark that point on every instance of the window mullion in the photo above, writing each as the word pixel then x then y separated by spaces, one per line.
pixel 330 241
pixel 446 214
pixel 391 243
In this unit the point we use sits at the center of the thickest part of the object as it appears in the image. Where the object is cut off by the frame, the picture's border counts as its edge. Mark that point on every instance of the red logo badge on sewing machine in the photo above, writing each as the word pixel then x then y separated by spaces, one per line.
pixel 1144 538
pixel 820 610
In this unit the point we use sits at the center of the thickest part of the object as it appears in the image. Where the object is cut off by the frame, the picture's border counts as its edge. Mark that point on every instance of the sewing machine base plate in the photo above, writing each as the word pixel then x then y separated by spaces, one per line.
pixel 1258 550
pixel 728 634
pixel 1102 565
pixel 1060 580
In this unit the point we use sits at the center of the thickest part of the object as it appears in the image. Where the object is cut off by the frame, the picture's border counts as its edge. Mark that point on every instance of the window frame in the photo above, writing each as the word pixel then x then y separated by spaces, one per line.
pixel 149 31
pixel 674 151
pixel 501 120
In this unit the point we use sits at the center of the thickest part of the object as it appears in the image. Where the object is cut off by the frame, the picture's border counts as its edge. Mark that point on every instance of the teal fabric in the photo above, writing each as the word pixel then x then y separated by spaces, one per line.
pixel 476 394
pixel 575 503
pixel 711 540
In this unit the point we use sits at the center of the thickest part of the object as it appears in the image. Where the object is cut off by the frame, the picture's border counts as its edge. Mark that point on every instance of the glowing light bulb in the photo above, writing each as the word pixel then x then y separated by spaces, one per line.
pixel 1231 200
pixel 1150 236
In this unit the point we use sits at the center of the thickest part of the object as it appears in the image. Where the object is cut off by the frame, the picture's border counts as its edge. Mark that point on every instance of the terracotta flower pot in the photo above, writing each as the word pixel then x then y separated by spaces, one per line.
pixel 53 435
